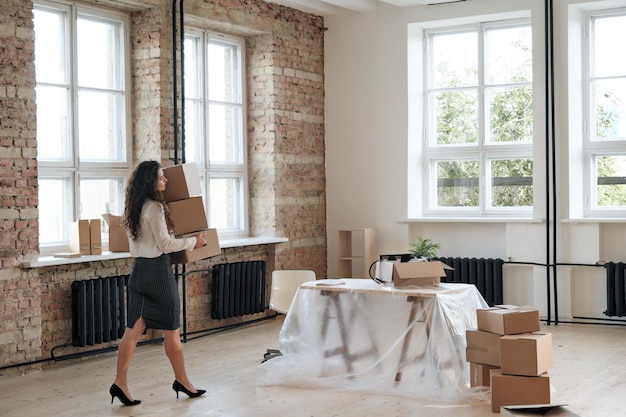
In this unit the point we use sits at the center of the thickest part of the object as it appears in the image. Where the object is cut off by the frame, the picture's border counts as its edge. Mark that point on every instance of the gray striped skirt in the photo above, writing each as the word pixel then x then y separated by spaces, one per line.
pixel 153 294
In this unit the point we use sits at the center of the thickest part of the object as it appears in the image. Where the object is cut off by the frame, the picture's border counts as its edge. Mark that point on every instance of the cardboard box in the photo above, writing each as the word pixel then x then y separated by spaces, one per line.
pixel 212 248
pixel 508 319
pixel 188 215
pixel 95 236
pixel 480 374
pixel 118 239
pixel 482 347
pixel 527 354
pixel 79 237
pixel 518 390
pixel 547 410
pixel 183 181
pixel 418 273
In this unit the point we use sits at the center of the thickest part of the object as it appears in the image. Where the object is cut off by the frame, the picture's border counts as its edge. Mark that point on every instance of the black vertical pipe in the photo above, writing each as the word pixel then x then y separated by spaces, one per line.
pixel 182 81
pixel 554 167
pixel 548 121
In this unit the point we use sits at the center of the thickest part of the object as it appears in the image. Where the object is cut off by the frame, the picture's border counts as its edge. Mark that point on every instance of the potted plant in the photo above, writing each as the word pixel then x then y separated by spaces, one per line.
pixel 424 248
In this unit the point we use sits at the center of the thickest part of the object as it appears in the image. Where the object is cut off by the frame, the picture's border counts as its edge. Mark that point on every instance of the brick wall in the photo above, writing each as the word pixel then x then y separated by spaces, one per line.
pixel 285 147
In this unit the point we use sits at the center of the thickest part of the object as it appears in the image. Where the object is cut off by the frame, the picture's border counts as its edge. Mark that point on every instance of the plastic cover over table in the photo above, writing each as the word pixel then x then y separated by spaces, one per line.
pixel 352 334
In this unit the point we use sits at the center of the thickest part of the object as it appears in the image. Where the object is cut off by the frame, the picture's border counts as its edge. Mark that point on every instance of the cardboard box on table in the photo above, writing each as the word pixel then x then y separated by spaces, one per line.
pixel 212 248
pixel 508 319
pixel 546 410
pixel 183 181
pixel 482 347
pixel 518 390
pixel 418 273
pixel 188 215
pixel 528 354
pixel 118 239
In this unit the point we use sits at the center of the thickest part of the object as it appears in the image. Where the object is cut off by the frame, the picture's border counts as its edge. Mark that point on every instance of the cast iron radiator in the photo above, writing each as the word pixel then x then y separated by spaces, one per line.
pixel 98 310
pixel 615 292
pixel 484 273
pixel 238 289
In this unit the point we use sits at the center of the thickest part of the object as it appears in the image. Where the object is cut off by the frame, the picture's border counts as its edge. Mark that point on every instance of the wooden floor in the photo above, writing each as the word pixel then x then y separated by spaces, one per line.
pixel 589 375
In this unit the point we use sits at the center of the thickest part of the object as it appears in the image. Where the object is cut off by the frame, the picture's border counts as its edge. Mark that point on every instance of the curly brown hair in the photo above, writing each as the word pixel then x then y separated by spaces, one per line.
pixel 142 186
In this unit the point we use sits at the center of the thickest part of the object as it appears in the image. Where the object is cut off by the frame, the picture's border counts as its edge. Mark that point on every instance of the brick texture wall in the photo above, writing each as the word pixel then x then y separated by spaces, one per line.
pixel 285 112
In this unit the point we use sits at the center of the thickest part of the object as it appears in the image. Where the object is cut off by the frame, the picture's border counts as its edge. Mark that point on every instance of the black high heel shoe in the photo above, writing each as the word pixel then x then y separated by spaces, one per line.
pixel 177 386
pixel 116 391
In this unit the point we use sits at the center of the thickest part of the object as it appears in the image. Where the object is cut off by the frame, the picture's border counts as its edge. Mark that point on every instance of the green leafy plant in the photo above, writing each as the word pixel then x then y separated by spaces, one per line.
pixel 424 248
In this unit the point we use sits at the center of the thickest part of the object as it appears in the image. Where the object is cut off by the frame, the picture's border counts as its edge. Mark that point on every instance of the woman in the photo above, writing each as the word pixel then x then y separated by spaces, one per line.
pixel 153 300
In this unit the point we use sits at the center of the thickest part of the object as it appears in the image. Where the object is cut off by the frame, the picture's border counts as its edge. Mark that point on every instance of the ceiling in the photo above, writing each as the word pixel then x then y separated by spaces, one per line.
pixel 323 7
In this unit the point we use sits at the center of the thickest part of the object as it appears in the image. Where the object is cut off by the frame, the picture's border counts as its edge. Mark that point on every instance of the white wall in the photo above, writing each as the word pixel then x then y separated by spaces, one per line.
pixel 366 160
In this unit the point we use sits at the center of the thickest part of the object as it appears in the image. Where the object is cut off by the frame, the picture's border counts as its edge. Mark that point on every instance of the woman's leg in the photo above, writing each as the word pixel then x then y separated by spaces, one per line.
pixel 174 352
pixel 125 351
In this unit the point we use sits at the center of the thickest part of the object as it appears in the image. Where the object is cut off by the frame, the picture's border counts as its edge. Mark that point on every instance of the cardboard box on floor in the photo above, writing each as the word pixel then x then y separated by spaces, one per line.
pixel 188 215
pixel 518 390
pixel 118 239
pixel 546 410
pixel 480 374
pixel 212 248
pixel 418 273
pixel 508 319
pixel 482 347
pixel 183 181
pixel 528 354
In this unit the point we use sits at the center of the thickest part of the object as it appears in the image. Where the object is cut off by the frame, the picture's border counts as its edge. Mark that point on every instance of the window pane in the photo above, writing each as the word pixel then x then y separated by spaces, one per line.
pixel 53 124
pixel 457 183
pixel 225 202
pixel 610 107
pixel 223 61
pixel 101 126
pixel 99 53
pixel 456 117
pixel 607 61
pixel 224 133
pixel 509 55
pixel 54 216
pixel 511 114
pixel 611 185
pixel 193 131
pixel 50 43
pixel 512 183
pixel 455 60
pixel 192 68
pixel 98 196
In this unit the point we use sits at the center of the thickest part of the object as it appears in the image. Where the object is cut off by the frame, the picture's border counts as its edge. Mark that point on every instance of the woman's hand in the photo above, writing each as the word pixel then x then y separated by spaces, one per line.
pixel 200 240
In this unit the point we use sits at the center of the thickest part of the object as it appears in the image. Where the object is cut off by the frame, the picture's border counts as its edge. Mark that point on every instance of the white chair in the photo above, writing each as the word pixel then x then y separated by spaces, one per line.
pixel 285 284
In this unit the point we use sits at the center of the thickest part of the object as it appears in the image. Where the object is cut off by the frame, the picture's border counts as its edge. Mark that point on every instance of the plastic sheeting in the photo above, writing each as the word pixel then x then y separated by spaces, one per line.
pixel 355 334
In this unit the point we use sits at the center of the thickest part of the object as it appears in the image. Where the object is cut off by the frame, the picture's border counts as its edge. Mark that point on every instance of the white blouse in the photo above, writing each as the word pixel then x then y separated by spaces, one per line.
pixel 154 238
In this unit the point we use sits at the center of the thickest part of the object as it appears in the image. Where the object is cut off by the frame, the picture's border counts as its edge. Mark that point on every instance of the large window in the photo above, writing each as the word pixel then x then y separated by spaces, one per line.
pixel 605 129
pixel 215 126
pixel 82 127
pixel 478 150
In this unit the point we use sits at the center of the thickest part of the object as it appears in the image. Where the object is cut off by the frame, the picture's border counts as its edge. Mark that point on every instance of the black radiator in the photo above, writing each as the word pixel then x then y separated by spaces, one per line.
pixel 98 310
pixel 615 293
pixel 238 289
pixel 484 273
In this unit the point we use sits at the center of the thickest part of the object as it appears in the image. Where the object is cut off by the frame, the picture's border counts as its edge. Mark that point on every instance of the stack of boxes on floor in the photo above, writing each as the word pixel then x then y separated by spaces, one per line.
pixel 184 201
pixel 508 353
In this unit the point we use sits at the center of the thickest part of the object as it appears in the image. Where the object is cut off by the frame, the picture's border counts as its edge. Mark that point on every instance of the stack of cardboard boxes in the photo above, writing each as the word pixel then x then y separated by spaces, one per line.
pixel 183 197
pixel 508 353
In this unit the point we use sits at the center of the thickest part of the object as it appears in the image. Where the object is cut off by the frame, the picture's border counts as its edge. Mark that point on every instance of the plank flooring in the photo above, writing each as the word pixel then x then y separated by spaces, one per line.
pixel 589 375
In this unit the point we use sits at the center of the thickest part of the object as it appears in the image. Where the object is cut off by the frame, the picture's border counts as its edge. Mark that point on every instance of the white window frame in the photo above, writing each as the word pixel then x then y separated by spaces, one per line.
pixel 73 169
pixel 482 151
pixel 593 149
pixel 211 170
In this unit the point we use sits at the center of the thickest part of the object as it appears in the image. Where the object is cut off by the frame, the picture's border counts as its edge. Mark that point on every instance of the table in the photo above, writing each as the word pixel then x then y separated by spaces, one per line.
pixel 356 334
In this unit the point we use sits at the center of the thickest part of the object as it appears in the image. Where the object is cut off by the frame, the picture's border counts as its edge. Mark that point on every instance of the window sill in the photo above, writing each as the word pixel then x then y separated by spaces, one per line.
pixel 474 220
pixel 596 220
pixel 42 261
